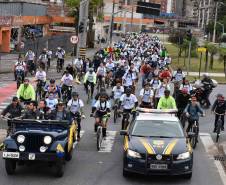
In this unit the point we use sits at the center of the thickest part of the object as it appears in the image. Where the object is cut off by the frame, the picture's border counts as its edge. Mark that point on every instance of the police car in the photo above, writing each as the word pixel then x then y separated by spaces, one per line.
pixel 155 144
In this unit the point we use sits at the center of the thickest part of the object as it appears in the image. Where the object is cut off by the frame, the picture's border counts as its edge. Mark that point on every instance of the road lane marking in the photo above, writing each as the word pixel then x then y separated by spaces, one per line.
pixel 210 146
pixel 108 143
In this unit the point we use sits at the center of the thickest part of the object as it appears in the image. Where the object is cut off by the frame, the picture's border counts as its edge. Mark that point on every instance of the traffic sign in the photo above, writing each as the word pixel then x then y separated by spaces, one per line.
pixel 74 39
pixel 201 49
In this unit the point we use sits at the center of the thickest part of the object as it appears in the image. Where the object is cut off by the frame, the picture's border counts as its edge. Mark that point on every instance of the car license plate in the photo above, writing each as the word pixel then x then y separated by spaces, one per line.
pixel 31 156
pixel 158 166
pixel 11 155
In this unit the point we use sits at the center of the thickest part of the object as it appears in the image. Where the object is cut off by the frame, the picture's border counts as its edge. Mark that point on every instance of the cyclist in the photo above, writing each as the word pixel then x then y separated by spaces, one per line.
pixel 219 107
pixel 117 92
pixel 14 109
pixel 66 82
pixel 75 107
pixel 30 58
pixel 49 57
pixel 90 79
pixel 41 75
pixel 70 69
pixel 60 56
pixel 167 101
pixel 129 103
pixel 51 101
pixel 101 107
pixel 101 73
pixel 192 111
pixel 19 67
pixel 26 91
pixel 52 88
pixel 43 58
pixel 178 75
pixel 208 86
pixel 146 96
pixel 128 79
pixel 186 84
pixel 78 63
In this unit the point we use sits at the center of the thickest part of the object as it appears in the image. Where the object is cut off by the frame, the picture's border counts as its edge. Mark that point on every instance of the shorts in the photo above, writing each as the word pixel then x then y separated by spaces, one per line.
pixel 100 114
pixel 146 105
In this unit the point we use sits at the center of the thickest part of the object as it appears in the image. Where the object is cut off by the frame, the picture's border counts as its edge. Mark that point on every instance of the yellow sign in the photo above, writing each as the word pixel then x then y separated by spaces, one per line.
pixel 201 49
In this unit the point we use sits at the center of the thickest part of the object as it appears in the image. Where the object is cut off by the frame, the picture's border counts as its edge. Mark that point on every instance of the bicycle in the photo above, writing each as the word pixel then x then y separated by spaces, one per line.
pixel 39 94
pixel 125 119
pixel 59 66
pixel 88 93
pixel 218 126
pixel 195 130
pixel 100 84
pixel 99 133
pixel 116 111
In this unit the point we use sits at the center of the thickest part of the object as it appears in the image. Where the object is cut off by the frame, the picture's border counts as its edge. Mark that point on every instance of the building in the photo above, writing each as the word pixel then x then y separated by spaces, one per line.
pixel 19 18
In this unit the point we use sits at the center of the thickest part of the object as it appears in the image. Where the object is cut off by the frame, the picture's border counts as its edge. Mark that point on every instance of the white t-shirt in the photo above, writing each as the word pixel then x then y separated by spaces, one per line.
pixel 155 83
pixel 40 75
pixel 67 80
pixel 102 106
pixel 178 76
pixel 128 102
pixel 30 55
pixel 75 105
pixel 128 79
pixel 110 66
pixel 78 63
pixel 51 103
pixel 101 71
pixel 146 95
pixel 118 92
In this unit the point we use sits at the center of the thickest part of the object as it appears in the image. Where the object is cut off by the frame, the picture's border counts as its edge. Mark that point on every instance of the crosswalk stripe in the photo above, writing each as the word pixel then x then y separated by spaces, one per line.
pixel 108 143
pixel 209 145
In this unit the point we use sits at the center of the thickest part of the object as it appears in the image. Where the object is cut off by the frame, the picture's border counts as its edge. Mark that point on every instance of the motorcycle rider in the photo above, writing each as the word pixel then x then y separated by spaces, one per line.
pixel 208 87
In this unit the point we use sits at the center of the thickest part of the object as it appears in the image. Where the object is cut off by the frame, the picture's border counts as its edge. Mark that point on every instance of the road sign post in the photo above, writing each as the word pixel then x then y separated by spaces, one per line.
pixel 201 50
pixel 74 40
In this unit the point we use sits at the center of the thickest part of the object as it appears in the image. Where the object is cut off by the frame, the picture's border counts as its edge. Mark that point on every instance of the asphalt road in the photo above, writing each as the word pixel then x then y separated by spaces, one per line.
pixel 89 167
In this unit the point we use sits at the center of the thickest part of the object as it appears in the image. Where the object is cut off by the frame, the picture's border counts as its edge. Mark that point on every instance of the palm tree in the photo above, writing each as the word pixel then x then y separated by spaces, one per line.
pixel 212 49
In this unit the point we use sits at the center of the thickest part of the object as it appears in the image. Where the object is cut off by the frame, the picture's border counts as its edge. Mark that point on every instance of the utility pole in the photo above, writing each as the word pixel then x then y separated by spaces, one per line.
pixel 215 23
pixel 83 18
pixel 131 21
pixel 112 23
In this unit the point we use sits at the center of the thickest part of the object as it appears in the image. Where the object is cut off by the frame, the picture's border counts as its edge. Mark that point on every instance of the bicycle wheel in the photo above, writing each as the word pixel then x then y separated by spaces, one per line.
pixel 115 114
pixel 218 130
pixel 99 137
pixel 194 139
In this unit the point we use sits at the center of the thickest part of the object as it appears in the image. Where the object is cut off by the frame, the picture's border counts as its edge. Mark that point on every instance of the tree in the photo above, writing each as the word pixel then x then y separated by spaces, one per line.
pixel 213 49
pixel 222 52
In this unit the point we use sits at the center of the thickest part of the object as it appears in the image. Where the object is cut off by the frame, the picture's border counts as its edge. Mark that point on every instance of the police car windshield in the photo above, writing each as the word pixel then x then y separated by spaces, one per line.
pixel 157 128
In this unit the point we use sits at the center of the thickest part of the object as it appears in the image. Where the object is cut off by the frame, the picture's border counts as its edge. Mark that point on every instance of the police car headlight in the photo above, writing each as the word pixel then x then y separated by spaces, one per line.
pixel 47 140
pixel 183 156
pixel 21 148
pixel 20 138
pixel 133 154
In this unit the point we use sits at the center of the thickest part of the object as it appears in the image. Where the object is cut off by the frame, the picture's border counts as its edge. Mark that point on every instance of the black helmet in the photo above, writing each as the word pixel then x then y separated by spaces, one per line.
pixel 73 94
pixel 128 91
pixel 52 81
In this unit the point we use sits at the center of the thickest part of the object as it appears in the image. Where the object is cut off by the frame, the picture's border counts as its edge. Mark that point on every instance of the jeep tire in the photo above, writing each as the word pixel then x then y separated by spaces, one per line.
pixel 10 166
pixel 59 169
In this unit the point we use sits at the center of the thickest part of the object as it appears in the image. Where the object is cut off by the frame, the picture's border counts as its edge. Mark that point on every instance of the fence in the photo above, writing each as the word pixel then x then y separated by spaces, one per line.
pixel 51 43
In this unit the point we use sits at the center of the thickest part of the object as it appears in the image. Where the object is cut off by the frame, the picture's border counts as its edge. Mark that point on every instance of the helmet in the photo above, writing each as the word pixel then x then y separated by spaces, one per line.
pixel 52 81
pixel 73 94
pixel 205 75
pixel 128 91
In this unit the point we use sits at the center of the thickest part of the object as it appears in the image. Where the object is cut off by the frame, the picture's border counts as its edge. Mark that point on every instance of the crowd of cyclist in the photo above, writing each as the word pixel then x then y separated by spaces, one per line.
pixel 136 58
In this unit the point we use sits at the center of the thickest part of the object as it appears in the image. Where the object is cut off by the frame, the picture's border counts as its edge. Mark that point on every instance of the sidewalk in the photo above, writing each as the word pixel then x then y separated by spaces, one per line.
pixel 210 74
pixel 8 60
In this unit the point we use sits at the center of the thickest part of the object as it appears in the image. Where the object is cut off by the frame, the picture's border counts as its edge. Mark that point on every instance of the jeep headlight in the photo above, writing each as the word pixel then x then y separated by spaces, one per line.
pixel 183 156
pixel 47 140
pixel 20 139
pixel 133 154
